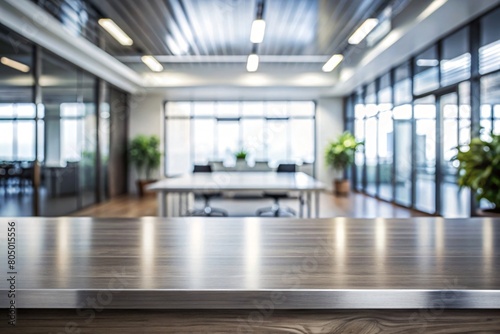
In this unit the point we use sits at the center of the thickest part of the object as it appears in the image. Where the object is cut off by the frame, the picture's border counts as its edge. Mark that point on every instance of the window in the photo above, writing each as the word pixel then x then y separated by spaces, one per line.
pixel 385 135
pixel 402 85
pixel 490 105
pixel 426 71
pixel 456 59
pixel 7 142
pixel 208 131
pixel 425 153
pixel 17 126
pixel 489 52
pixel 359 133
pixel 413 118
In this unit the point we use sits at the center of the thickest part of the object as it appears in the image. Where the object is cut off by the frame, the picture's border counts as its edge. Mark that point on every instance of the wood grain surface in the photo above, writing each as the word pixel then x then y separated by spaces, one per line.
pixel 79 257
pixel 32 321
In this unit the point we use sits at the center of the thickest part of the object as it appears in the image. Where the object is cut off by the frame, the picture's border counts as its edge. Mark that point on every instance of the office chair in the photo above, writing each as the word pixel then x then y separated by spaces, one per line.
pixel 207 209
pixel 276 210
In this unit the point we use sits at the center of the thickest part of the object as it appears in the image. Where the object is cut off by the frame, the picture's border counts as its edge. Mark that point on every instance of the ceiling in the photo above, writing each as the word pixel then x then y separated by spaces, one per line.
pixel 193 34
pixel 300 36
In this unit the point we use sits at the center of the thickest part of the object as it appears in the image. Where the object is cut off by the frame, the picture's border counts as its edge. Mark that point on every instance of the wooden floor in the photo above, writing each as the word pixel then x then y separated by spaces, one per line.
pixel 355 205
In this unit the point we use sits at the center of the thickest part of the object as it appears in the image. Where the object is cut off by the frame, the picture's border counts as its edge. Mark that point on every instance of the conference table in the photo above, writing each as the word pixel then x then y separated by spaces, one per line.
pixel 253 275
pixel 240 182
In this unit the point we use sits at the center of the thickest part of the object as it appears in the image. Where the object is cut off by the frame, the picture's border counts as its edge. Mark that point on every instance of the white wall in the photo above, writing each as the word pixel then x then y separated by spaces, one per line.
pixel 146 118
pixel 329 125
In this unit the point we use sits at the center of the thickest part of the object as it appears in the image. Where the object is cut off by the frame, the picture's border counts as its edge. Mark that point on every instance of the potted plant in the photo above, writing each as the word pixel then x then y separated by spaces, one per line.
pixel 339 155
pixel 241 157
pixel 145 156
pixel 479 169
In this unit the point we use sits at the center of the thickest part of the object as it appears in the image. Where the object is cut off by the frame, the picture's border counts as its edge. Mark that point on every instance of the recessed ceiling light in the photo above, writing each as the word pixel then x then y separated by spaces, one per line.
pixel 252 62
pixel 114 30
pixel 333 62
pixel 257 32
pixel 152 63
pixel 15 64
pixel 363 31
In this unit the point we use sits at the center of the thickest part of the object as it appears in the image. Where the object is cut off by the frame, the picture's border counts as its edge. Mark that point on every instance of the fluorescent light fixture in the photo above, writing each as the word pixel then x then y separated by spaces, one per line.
pixel 363 31
pixel 114 30
pixel 258 29
pixel 333 62
pixel 152 63
pixel 252 62
pixel 427 62
pixel 15 64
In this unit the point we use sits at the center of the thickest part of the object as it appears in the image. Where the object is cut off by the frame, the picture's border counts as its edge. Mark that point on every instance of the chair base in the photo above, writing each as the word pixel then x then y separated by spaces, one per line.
pixel 276 211
pixel 208 211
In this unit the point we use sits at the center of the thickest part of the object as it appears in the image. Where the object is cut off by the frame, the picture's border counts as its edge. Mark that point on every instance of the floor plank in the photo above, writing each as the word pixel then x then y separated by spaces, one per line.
pixel 355 205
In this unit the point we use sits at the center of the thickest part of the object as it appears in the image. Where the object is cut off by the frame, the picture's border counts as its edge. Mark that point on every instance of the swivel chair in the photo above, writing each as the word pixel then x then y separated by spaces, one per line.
pixel 207 209
pixel 276 210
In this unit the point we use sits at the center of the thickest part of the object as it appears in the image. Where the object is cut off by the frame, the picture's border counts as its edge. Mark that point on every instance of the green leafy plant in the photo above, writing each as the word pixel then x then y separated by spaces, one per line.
pixel 145 155
pixel 339 154
pixel 241 154
pixel 479 168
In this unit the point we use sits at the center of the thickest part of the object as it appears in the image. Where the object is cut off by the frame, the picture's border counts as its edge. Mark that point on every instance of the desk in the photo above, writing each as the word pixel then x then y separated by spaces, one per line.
pixel 240 181
pixel 373 271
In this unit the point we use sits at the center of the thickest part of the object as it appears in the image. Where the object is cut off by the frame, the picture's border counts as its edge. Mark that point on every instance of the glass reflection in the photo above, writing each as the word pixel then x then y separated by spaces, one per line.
pixel 252 254
pixel 63 250
pixel 148 244
pixel 380 248
pixel 340 249
pixel 488 243
pixel 196 256
pixel 439 233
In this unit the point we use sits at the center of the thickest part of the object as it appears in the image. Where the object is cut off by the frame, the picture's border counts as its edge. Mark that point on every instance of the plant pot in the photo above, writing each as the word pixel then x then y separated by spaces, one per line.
pixel 488 213
pixel 341 187
pixel 141 187
pixel 241 164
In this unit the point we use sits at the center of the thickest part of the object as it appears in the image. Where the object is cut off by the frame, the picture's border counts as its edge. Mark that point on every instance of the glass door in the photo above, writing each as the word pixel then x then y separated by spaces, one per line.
pixel 425 154
pixel 453 201
pixel 402 161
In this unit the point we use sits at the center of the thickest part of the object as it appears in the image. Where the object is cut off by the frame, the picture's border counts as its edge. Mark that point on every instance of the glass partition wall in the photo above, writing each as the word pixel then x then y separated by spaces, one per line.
pixel 413 118
pixel 55 136
pixel 17 124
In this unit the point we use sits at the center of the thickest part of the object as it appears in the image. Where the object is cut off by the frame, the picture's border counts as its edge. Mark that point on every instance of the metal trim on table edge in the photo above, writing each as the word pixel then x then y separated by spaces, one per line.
pixel 249 299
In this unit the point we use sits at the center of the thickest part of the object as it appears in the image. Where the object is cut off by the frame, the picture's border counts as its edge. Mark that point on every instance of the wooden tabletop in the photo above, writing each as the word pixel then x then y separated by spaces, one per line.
pixel 239 181
pixel 234 262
